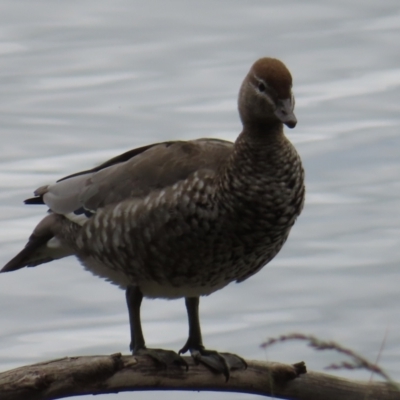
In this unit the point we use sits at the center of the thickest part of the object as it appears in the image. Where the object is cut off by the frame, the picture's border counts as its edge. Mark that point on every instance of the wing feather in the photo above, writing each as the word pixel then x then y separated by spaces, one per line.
pixel 133 174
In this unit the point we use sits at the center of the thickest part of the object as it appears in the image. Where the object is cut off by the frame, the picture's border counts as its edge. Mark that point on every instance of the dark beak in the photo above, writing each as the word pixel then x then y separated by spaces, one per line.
pixel 284 112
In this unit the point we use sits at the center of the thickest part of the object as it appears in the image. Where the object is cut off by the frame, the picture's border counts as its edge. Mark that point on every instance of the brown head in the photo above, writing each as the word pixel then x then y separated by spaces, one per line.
pixel 265 96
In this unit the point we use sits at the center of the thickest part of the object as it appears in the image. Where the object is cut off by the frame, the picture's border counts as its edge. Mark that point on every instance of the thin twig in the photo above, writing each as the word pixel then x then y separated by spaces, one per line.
pixel 383 344
pixel 358 361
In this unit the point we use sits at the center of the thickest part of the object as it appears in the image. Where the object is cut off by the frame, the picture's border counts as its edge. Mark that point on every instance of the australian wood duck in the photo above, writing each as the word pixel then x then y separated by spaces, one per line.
pixel 182 219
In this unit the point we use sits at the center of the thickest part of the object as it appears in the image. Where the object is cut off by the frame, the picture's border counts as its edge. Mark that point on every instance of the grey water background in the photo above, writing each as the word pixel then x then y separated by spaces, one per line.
pixel 82 81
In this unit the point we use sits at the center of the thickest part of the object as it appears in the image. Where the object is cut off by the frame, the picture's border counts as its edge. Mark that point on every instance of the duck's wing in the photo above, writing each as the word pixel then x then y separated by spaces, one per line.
pixel 133 174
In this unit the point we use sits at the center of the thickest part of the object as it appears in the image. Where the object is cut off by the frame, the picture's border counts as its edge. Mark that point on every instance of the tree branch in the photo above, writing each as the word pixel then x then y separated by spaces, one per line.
pixel 73 376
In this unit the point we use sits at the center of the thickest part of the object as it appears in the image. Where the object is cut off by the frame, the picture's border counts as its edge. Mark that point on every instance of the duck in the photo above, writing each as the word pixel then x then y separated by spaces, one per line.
pixel 182 219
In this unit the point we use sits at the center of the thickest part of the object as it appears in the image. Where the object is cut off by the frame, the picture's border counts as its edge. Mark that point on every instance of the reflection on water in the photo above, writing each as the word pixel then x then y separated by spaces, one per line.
pixel 82 84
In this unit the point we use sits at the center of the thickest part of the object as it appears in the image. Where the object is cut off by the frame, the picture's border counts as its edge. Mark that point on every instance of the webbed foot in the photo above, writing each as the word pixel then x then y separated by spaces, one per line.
pixel 163 357
pixel 217 362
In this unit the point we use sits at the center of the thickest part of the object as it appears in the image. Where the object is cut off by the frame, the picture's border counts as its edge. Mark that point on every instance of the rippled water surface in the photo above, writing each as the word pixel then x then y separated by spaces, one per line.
pixel 83 81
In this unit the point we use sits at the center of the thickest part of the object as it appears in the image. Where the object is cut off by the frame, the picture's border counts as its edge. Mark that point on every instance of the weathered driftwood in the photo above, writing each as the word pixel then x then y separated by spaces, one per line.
pixel 74 376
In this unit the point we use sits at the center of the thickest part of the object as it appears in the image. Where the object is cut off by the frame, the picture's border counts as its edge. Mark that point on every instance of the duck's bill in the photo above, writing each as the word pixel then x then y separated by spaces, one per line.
pixel 284 112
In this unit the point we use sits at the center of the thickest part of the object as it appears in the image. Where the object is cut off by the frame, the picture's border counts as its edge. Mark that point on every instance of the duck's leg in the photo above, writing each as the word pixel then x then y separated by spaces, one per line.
pixel 134 299
pixel 218 362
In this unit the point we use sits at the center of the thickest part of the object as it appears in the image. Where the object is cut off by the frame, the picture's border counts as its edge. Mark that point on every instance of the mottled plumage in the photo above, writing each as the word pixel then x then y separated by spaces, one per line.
pixel 183 219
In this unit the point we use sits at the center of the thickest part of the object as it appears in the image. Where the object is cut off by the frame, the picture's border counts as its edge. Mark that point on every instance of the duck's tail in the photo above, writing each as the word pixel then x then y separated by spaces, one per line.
pixel 43 246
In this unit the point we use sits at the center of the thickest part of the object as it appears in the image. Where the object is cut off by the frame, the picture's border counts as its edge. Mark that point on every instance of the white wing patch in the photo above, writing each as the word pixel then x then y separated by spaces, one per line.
pixel 54 243
pixel 79 219
pixel 65 196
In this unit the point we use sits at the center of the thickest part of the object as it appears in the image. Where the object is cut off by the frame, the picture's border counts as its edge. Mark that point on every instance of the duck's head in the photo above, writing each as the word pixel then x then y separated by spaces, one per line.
pixel 265 96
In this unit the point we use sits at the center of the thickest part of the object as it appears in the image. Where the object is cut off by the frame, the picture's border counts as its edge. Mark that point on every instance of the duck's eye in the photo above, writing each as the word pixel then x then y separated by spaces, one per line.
pixel 261 87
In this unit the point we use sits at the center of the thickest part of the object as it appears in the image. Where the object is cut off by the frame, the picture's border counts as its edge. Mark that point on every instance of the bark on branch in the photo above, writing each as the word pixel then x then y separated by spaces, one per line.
pixel 73 376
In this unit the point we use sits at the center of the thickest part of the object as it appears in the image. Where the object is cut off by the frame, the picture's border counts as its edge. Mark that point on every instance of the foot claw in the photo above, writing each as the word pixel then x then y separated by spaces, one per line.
pixel 234 361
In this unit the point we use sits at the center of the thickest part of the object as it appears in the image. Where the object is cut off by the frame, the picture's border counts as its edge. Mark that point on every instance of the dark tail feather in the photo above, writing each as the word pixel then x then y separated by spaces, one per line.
pixel 24 257
pixel 38 250
pixel 34 200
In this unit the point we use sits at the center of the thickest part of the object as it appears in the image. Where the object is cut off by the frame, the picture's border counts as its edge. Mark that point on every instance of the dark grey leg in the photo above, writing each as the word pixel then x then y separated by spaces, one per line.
pixel 218 362
pixel 134 299
pixel 195 340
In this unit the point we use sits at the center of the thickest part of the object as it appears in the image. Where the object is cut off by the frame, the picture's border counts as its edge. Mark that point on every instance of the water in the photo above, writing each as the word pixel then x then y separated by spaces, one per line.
pixel 83 81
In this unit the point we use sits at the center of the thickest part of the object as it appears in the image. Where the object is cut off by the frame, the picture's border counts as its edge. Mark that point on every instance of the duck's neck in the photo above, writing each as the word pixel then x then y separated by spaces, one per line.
pixel 259 155
pixel 257 140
